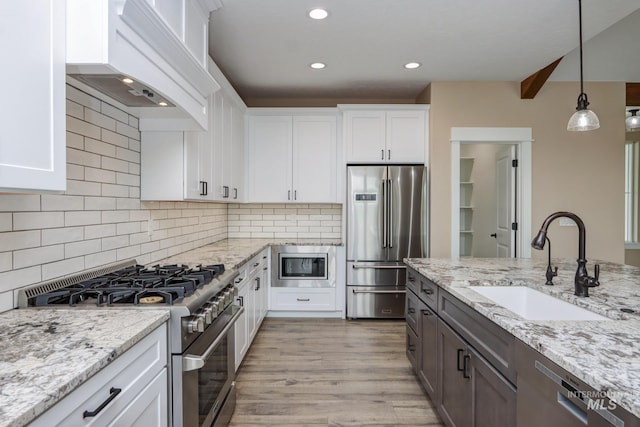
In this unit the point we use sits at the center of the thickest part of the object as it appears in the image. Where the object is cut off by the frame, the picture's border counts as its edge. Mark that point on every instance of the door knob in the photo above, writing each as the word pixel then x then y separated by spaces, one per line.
pixel 494 235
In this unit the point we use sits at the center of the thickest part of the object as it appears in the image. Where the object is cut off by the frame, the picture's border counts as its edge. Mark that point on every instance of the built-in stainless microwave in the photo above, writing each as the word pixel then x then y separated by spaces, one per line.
pixel 303 266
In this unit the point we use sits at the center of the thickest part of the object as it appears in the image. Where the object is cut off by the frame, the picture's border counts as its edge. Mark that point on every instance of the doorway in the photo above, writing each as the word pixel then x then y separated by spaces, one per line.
pixel 491 192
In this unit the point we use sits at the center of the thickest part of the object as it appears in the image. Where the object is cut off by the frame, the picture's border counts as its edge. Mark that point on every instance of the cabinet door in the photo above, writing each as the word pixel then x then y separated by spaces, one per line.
pixel 237 154
pixel 494 398
pixel 217 132
pixel 32 141
pixel 405 136
pixel 149 408
pixel 428 361
pixel 365 136
pixel 314 159
pixel 241 330
pixel 454 388
pixel 197 166
pixel 270 140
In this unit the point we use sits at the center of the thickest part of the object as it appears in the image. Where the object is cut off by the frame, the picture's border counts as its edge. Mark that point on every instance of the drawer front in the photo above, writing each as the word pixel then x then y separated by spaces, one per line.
pixel 424 288
pixel 492 342
pixel 412 348
pixel 307 299
pixel 412 311
pixel 130 373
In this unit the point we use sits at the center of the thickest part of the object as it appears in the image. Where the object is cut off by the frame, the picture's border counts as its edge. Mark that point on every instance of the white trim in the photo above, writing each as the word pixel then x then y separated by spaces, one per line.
pixel 522 138
pixel 632 245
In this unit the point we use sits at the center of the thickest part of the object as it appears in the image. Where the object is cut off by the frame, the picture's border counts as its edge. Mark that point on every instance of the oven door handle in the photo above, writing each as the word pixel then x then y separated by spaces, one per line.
pixel 191 362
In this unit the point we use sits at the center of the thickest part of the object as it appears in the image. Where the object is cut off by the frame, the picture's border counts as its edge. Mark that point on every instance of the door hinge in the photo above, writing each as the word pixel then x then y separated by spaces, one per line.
pixel 514 163
pixel 514 226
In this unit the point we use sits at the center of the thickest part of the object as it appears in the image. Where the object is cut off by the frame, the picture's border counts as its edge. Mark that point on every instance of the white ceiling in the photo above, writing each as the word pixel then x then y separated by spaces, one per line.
pixel 265 47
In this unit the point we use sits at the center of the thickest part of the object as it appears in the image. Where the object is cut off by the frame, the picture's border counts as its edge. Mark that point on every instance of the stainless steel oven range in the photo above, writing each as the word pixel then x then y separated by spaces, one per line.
pixel 201 301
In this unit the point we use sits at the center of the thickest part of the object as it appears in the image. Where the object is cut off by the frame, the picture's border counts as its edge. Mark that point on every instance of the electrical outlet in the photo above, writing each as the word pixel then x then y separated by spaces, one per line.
pixel 567 222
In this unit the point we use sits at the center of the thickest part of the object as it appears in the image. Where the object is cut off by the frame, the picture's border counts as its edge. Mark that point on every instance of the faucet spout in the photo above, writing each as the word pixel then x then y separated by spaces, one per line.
pixel 582 280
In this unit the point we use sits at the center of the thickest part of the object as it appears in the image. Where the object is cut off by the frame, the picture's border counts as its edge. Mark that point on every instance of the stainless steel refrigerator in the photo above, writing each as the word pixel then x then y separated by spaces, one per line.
pixel 387 220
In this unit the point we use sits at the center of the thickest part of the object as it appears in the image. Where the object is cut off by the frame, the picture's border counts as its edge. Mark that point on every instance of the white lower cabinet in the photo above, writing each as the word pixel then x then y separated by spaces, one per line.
pixel 130 391
pixel 252 286
pixel 303 299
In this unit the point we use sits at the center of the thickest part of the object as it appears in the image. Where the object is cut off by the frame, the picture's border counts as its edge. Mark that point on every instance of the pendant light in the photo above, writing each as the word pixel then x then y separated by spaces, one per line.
pixel 633 121
pixel 583 118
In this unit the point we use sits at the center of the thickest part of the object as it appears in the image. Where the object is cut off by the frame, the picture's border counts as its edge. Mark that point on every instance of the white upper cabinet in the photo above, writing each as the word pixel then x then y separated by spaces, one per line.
pixel 32 141
pixel 386 134
pixel 292 158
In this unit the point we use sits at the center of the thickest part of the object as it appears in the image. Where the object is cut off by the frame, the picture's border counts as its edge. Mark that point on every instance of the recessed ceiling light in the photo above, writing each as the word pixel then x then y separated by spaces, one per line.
pixel 318 13
pixel 411 65
pixel 127 80
pixel 317 65
pixel 162 104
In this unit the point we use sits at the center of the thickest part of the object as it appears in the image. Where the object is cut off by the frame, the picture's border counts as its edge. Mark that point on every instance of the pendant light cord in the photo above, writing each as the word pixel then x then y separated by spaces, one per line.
pixel 580 26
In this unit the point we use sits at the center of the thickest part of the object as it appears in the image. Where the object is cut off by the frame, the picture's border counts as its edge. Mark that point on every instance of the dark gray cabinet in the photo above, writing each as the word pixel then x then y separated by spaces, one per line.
pixel 428 342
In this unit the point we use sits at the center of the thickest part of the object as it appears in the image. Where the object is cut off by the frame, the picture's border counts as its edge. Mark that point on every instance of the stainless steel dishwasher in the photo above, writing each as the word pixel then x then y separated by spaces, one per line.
pixel 548 395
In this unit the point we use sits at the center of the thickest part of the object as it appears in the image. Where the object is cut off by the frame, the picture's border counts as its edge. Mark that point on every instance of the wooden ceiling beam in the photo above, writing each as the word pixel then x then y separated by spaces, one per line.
pixel 633 94
pixel 530 86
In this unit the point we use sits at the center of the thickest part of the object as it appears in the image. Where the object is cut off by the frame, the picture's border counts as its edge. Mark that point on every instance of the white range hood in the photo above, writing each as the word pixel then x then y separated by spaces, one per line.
pixel 161 47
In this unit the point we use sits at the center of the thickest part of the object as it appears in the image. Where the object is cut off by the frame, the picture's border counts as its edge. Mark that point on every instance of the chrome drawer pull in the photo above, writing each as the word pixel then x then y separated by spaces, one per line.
pixel 303 299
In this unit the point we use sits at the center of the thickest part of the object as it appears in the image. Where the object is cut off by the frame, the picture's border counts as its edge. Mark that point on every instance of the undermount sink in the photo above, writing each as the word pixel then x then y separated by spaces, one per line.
pixel 534 305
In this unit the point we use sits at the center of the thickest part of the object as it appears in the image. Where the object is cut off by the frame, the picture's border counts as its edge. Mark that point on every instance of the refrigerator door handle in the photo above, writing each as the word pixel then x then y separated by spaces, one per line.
pixel 384 213
pixel 382 291
pixel 379 267
pixel 390 210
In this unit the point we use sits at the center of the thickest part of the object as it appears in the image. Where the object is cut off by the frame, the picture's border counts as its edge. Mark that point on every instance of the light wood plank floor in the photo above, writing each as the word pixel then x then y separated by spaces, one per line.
pixel 330 372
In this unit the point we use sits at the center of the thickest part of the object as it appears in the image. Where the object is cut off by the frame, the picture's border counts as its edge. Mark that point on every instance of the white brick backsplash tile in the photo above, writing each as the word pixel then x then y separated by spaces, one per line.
pixel 137 238
pixel 167 205
pixel 84 188
pixel 114 112
pixel 83 98
pixel 18 278
pixel 308 223
pixel 15 240
pixel 99 119
pixel 127 179
pixel 82 128
pixel 274 229
pixel 100 175
pixel 240 235
pixel 75 141
pixel 134 122
pixel 6 261
pixel 74 218
pixel 74 109
pixel 134 145
pixel 114 138
pixel 55 202
pixel 158 214
pixel 99 147
pixel 127 130
pixel 75 172
pixel 127 228
pixel 96 231
pixel 35 256
pixel 134 192
pixel 115 164
pixel 85 247
pixel 116 242
pixel 99 203
pixel 6 301
pixel 19 202
pixel 149 247
pixel 62 268
pixel 174 213
pixel 128 252
pixel 133 205
pixel 128 155
pixel 262 223
pixel 115 190
pixel 6 222
pixel 331 223
pixel 99 259
pixel 262 211
pixel 115 216
pixel 36 220
pixel 134 168
pixel 62 235
pixel 83 158
pixel 262 235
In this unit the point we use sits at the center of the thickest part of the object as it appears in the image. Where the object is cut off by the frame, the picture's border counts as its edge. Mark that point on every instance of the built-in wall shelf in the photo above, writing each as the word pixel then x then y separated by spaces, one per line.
pixel 466 205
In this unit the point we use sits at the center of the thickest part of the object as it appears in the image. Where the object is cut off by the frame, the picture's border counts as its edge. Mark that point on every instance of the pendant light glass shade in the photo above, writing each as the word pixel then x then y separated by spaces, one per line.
pixel 583 119
pixel 633 121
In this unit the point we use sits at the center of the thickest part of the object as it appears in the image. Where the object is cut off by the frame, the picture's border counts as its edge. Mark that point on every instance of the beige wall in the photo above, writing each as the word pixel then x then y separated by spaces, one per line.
pixel 581 172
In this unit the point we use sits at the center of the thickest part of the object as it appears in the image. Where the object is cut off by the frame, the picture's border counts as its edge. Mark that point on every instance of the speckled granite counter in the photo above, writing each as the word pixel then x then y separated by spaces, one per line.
pixel 604 354
pixel 47 353
pixel 233 253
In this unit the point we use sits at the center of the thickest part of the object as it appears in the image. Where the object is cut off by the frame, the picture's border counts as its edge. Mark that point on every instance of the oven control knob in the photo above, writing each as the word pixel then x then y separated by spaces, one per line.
pixel 228 296
pixel 211 310
pixel 196 324
pixel 235 290
pixel 205 316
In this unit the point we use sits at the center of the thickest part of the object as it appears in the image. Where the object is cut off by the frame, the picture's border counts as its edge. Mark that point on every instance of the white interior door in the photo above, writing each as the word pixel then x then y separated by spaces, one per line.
pixel 505 202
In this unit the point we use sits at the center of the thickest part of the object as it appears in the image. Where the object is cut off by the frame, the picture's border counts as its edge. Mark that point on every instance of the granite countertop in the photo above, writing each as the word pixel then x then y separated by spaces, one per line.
pixel 603 353
pixel 47 353
pixel 233 253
